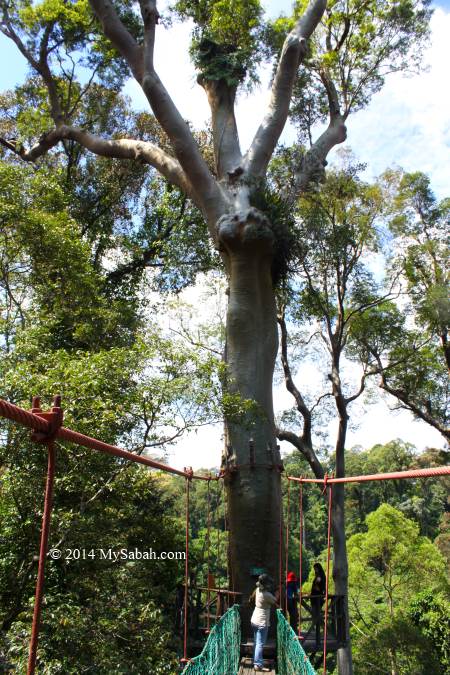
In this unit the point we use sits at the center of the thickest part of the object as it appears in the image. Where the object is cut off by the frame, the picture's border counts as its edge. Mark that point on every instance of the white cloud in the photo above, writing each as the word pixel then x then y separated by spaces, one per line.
pixel 201 449
pixel 408 123
pixel 379 424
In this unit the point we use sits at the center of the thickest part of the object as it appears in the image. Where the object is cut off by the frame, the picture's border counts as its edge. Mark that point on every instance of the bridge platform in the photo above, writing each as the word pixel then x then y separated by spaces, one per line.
pixel 246 667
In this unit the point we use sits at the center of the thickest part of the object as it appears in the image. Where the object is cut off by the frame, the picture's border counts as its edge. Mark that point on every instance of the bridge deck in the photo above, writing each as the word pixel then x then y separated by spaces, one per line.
pixel 246 667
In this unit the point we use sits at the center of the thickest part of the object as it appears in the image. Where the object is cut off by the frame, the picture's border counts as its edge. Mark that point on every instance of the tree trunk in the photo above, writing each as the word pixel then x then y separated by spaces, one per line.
pixel 340 562
pixel 251 455
pixel 340 573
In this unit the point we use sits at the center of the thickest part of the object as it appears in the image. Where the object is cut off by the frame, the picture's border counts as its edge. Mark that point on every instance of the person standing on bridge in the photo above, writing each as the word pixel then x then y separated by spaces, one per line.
pixel 292 586
pixel 318 597
pixel 260 619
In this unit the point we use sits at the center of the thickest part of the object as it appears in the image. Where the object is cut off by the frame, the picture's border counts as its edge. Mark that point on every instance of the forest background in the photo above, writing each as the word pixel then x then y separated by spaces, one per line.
pixel 81 286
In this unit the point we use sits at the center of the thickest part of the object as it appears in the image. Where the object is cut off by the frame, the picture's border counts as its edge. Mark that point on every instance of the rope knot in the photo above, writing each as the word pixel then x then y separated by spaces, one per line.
pixel 325 483
pixel 54 418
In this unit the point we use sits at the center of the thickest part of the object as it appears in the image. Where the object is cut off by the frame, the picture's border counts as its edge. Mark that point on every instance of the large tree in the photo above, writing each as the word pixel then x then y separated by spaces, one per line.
pixel 407 344
pixel 329 59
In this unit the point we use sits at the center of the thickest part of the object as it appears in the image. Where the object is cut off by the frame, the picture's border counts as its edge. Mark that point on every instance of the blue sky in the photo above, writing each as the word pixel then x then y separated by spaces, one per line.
pixel 407 124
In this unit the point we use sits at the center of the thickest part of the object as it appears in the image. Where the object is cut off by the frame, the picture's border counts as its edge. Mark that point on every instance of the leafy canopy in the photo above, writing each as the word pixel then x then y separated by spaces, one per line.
pixel 226 38
pixel 357 44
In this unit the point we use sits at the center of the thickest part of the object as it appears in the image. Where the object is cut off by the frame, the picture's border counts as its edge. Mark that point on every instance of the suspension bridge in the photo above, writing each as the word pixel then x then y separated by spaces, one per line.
pixel 224 652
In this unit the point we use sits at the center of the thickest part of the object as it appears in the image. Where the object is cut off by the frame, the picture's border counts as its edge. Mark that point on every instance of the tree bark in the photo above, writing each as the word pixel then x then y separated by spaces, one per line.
pixel 340 569
pixel 340 563
pixel 252 456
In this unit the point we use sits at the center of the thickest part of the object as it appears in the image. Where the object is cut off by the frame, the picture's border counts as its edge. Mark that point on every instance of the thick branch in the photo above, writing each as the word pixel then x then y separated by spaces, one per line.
pixel 121 38
pixel 415 409
pixel 306 450
pixel 339 399
pixel 227 152
pixel 314 161
pixel 294 49
pixel 208 194
pixel 124 148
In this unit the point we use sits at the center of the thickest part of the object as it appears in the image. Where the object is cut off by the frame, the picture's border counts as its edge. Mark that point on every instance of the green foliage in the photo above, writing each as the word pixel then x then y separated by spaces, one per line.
pixel 45 245
pixel 395 644
pixel 66 28
pixel 403 615
pixel 420 500
pixel 356 46
pixel 226 37
pixel 394 562
pixel 419 224
pixel 97 613
pixel 337 227
pixel 279 213
pixel 431 614
pixel 408 342
pixel 77 236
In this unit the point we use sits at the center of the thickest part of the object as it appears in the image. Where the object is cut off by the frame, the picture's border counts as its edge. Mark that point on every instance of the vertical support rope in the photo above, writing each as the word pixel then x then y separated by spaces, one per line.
pixel 186 573
pixel 330 504
pixel 287 544
pixel 46 517
pixel 300 555
pixel 280 544
pixel 208 556
pixel 219 586
pixel 227 536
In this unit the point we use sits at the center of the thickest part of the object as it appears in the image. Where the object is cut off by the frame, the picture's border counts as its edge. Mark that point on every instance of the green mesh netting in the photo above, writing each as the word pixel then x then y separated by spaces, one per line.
pixel 220 655
pixel 291 658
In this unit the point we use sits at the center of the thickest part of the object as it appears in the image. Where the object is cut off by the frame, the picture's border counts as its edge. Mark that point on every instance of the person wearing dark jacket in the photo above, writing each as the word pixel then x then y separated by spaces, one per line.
pixel 318 589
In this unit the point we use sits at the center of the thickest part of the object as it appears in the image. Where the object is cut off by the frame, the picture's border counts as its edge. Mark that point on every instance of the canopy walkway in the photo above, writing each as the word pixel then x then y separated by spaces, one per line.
pixel 221 655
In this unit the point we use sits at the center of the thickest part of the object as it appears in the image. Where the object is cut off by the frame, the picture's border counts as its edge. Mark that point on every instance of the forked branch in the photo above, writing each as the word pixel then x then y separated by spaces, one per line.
pixel 314 160
pixel 294 50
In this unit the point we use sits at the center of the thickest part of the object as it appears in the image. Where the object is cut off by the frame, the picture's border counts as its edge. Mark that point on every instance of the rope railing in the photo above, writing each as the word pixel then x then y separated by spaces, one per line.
pixel 221 653
pixel 37 423
pixel 46 428
pixel 394 475
pixel 291 658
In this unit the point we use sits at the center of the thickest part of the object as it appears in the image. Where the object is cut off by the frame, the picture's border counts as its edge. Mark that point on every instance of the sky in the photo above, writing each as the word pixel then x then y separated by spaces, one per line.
pixel 407 124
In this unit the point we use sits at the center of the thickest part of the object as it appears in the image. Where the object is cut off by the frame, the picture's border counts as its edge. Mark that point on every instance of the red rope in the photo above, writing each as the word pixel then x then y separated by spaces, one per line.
pixel 280 552
pixel 395 475
pixel 300 556
pixel 48 503
pixel 287 546
pixel 325 630
pixel 32 421
pixel 23 417
pixel 208 594
pixel 186 568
